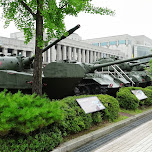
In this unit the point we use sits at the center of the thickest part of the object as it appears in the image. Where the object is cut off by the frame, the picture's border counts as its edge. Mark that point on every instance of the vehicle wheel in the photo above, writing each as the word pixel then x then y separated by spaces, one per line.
pixel 81 90
pixel 137 84
pixel 96 89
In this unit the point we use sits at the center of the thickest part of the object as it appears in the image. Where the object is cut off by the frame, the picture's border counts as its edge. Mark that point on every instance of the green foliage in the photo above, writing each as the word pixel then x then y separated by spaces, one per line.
pixel 148 93
pixel 149 69
pixel 127 100
pixel 23 13
pixel 75 118
pixel 47 138
pixel 26 113
pixel 149 87
pixel 111 105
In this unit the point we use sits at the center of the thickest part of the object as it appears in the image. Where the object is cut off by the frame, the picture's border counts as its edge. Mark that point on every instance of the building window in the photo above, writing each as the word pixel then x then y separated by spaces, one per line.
pixel 28 53
pixel 122 42
pixel 96 44
pixel 104 43
pixel 10 51
pixel 112 43
pixel 129 41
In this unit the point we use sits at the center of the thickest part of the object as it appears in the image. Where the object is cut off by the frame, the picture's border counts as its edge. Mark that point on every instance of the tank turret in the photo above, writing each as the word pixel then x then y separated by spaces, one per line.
pixel 99 66
pixel 140 66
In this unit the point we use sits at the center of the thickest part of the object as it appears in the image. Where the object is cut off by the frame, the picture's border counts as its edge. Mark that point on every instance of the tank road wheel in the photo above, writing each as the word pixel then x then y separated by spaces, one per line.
pixel 137 84
pixel 96 89
pixel 81 90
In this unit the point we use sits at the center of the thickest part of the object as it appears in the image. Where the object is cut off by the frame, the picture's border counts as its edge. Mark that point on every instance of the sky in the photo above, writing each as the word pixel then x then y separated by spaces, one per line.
pixel 133 17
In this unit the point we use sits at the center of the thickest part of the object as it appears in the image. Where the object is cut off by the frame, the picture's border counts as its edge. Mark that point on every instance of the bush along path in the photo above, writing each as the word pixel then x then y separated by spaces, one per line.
pixel 33 123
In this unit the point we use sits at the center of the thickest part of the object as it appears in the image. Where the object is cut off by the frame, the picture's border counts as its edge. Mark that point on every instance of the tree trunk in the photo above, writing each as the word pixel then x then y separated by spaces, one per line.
pixel 37 73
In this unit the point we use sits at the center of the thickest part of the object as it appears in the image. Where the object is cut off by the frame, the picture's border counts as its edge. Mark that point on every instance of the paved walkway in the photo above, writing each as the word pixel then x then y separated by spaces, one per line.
pixel 137 140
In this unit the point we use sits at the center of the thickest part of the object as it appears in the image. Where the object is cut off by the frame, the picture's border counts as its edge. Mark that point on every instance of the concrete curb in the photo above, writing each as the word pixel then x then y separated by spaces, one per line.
pixel 79 141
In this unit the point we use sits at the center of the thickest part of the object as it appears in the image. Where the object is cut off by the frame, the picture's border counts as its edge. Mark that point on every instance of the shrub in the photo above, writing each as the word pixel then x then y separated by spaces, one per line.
pixel 128 100
pixel 148 93
pixel 75 118
pixel 46 140
pixel 112 107
pixel 149 87
pixel 26 113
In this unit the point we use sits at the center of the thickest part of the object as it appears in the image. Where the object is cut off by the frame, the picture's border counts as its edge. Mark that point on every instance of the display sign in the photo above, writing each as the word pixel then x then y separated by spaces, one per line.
pixel 90 104
pixel 139 94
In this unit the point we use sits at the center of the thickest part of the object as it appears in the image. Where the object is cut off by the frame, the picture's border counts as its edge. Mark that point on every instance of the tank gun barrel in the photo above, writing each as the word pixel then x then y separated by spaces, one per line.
pixel 62 37
pixel 94 67
pixel 29 60
pixel 135 64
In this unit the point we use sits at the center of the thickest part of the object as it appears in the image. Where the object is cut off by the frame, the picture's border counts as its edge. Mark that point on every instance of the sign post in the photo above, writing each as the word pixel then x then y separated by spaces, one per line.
pixel 139 94
pixel 90 104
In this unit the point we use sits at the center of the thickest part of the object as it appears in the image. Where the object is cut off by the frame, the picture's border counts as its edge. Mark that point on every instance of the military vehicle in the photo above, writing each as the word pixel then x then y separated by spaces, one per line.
pixel 135 70
pixel 17 74
pixel 60 79
pixel 139 75
pixel 97 80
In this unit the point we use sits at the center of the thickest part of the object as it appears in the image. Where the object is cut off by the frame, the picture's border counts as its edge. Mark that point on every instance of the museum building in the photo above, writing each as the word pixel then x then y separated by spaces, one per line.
pixel 130 46
pixel 74 48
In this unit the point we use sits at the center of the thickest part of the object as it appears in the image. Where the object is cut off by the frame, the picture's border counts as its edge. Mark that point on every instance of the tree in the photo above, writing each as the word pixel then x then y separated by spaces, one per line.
pixel 36 16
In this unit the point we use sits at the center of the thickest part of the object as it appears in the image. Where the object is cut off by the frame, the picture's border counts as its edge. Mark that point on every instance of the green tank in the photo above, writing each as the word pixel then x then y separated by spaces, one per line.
pixel 96 80
pixel 17 74
pixel 60 79
pixel 135 70
pixel 139 75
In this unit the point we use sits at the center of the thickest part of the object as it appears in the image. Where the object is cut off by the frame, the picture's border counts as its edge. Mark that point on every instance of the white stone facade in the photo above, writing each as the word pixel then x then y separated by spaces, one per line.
pixel 130 46
pixel 72 48
pixel 79 51
pixel 9 46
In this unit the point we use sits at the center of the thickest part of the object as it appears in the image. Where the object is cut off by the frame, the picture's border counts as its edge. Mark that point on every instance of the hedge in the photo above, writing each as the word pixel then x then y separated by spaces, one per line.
pixel 128 100
pixel 45 137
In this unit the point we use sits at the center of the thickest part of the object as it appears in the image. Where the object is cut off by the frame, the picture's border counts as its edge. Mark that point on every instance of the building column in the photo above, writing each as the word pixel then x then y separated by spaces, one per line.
pixel 91 56
pixel 64 52
pixel 79 55
pixel 52 54
pixel 69 53
pixel 94 56
pixel 87 56
pixel 15 52
pixel 74 54
pixel 5 51
pixel 98 55
pixel 83 56
pixel 24 53
pixel 59 57
pixel 49 57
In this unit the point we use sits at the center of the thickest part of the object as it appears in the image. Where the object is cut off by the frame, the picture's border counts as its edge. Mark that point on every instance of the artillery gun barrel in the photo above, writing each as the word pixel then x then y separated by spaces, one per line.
pixel 94 67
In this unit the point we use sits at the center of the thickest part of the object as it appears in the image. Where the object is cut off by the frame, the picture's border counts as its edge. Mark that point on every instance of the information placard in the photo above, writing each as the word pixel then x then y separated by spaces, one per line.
pixel 139 94
pixel 90 104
